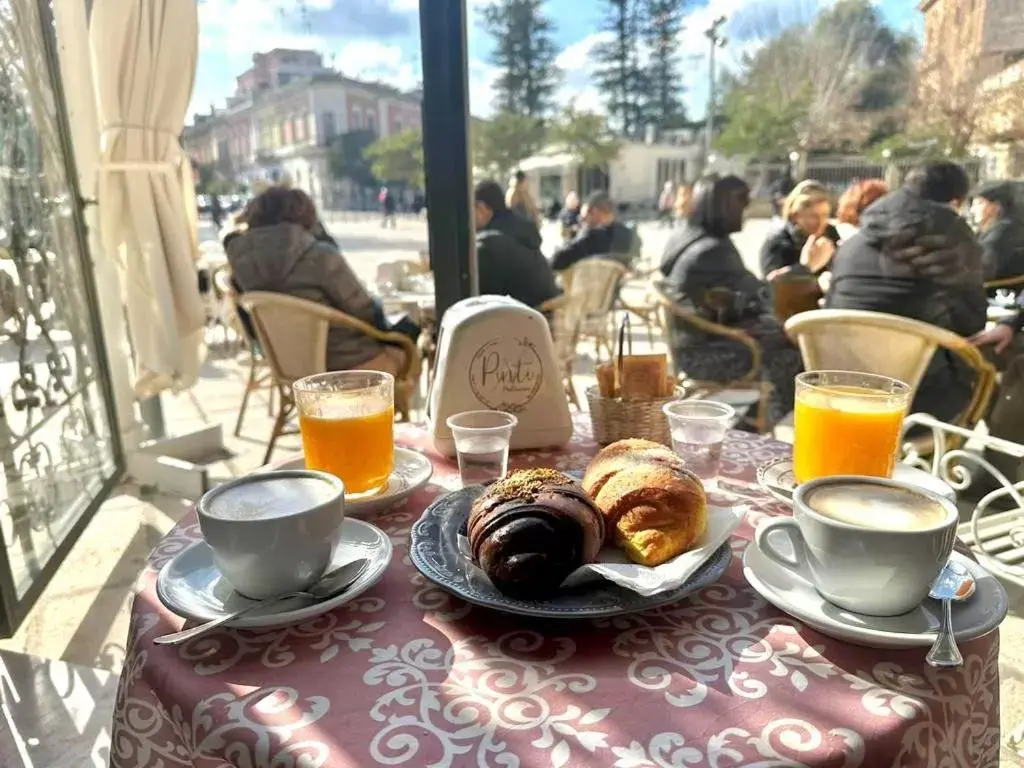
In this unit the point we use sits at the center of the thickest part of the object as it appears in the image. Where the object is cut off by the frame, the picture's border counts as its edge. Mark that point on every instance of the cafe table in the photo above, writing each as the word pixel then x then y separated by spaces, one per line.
pixel 407 675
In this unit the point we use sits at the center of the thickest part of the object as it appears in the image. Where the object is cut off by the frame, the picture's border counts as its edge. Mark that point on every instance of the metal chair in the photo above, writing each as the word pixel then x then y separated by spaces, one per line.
pixel 889 345
pixel 293 336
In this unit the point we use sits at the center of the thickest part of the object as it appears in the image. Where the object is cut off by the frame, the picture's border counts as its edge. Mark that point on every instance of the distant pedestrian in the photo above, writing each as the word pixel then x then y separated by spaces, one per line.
pixel 216 212
pixel 667 205
pixel 387 208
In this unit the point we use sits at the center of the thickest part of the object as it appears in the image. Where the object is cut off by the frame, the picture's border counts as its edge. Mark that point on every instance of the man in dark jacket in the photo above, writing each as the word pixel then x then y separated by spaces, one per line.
pixel 1000 231
pixel 509 259
pixel 917 258
pixel 602 235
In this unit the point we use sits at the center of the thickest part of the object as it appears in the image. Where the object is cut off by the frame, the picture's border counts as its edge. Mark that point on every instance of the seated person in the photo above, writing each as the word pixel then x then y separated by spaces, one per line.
pixel 1000 232
pixel 601 235
pixel 701 263
pixel 508 255
pixel 916 257
pixel 283 249
pixel 806 237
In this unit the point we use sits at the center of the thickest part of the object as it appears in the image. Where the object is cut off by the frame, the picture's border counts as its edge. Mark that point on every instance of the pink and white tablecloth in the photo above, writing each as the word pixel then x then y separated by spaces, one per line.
pixel 408 676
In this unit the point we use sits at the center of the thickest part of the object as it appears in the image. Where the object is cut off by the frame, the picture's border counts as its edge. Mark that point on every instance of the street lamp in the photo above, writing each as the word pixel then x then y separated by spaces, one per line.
pixel 715 40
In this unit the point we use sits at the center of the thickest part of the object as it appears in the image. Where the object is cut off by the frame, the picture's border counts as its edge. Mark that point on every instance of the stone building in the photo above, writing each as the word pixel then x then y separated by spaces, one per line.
pixel 286 110
pixel 972 77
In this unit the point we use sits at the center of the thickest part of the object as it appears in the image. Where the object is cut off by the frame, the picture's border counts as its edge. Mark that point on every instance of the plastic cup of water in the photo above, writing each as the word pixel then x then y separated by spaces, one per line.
pixel 481 442
pixel 698 430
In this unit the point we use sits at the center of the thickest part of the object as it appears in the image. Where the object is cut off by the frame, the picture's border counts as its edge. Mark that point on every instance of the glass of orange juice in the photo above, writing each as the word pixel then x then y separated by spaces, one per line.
pixel 847 423
pixel 347 422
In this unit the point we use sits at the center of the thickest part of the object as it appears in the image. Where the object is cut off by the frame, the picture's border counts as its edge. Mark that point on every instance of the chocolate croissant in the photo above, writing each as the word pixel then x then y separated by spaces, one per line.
pixel 654 507
pixel 529 531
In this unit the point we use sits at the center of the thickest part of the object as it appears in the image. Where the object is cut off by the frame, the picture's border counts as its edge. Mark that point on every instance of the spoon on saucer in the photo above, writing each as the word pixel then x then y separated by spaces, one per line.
pixel 330 585
pixel 955 583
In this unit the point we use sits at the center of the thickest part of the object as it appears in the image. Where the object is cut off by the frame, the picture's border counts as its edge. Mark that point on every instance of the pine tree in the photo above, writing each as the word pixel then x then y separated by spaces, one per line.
pixel 662 23
pixel 619 74
pixel 525 53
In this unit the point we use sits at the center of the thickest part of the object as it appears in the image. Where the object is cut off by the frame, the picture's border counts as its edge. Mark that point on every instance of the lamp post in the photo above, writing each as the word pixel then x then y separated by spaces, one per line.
pixel 716 40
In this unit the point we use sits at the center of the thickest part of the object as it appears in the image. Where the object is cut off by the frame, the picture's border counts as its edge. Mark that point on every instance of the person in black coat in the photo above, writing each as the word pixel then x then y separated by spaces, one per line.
pixel 917 258
pixel 706 276
pixel 509 259
pixel 1001 232
pixel 601 235
pixel 805 238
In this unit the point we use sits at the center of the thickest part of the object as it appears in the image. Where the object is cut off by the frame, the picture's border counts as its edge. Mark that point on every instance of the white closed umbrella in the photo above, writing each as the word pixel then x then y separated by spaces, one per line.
pixel 144 59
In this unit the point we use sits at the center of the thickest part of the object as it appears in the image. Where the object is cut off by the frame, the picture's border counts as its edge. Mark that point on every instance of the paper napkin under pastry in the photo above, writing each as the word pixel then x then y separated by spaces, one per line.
pixel 614 566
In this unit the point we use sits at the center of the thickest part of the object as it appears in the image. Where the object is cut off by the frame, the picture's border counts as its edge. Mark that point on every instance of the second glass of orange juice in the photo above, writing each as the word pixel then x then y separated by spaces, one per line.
pixel 347 423
pixel 847 423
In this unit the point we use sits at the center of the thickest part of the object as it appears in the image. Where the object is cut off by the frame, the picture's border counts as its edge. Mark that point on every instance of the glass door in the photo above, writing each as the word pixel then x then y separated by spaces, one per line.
pixel 59 452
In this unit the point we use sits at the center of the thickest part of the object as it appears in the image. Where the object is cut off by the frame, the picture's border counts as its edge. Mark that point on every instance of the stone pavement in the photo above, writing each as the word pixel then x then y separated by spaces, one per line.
pixel 82 617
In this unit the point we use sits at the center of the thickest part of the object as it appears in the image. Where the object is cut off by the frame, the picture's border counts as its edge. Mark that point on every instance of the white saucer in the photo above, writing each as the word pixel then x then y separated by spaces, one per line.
pixel 191 586
pixel 796 596
pixel 776 477
pixel 412 470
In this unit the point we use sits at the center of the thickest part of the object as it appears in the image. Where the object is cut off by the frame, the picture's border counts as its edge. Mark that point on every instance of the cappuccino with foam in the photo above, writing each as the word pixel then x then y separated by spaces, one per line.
pixel 876 506
pixel 271 497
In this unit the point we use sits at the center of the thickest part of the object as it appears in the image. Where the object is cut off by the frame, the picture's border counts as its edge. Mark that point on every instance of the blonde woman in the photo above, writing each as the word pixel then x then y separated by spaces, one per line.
pixel 806 237
pixel 520 201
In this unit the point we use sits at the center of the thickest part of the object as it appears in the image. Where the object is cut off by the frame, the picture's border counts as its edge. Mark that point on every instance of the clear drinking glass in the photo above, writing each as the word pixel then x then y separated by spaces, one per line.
pixel 698 430
pixel 847 423
pixel 481 442
pixel 347 420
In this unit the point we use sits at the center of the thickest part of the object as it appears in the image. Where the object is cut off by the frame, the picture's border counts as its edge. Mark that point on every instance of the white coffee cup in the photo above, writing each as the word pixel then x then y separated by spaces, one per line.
pixel 274 532
pixel 868 545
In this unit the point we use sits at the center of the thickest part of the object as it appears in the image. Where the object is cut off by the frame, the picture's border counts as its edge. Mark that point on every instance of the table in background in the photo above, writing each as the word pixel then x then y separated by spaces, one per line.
pixel 408 675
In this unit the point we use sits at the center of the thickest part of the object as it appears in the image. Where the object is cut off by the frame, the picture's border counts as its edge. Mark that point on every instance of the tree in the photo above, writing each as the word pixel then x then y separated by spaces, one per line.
pixel 525 54
pixel 830 83
pixel 348 157
pixel 500 144
pixel 662 24
pixel 398 158
pixel 619 74
pixel 585 136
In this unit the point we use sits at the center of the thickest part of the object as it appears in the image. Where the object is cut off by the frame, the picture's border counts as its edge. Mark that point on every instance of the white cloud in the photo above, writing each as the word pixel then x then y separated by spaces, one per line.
pixel 577 64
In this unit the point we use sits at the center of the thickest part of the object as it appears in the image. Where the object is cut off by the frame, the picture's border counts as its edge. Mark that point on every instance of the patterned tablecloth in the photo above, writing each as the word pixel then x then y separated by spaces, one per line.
pixel 407 675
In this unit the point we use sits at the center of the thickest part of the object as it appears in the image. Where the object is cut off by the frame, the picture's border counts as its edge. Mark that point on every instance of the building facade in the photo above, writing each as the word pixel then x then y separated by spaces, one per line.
pixel 286 111
pixel 971 73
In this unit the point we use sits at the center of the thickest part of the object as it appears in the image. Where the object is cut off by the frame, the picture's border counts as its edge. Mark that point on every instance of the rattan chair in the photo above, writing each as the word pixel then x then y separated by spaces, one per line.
pixel 565 330
pixel 889 345
pixel 647 312
pixel 1015 283
pixel 293 336
pixel 751 378
pixel 591 286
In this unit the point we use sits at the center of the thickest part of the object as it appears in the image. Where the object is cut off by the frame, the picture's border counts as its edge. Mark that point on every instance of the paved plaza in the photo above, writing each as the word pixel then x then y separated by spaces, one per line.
pixel 82 617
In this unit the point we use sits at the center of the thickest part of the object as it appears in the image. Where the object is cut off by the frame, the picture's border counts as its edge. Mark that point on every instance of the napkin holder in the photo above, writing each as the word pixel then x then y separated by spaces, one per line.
pixel 496 354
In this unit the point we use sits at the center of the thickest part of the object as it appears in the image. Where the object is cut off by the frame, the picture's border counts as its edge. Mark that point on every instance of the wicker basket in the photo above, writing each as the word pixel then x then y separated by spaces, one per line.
pixel 614 418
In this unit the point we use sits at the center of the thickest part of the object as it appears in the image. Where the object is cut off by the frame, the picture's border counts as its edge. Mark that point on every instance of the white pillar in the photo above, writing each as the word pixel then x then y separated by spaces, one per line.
pixel 80 95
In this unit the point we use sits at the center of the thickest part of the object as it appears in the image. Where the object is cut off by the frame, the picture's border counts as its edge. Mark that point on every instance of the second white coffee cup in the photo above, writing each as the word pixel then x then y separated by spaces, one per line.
pixel 877 553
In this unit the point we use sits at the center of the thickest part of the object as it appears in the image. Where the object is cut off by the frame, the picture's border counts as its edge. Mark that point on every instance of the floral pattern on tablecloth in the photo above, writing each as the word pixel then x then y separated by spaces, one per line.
pixel 409 675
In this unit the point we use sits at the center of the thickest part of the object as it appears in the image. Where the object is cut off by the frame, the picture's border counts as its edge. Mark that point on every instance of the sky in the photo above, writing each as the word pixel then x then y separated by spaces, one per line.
pixel 379 40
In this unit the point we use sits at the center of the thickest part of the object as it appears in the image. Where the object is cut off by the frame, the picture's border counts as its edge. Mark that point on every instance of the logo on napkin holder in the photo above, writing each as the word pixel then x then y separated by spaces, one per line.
pixel 506 374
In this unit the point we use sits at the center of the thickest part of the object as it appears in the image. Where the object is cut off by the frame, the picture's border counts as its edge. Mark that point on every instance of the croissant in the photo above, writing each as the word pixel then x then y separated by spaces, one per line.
pixel 529 531
pixel 654 507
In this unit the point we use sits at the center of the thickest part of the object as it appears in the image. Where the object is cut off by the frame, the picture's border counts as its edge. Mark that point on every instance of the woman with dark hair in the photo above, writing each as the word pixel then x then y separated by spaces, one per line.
pixel 706 276
pixel 285 249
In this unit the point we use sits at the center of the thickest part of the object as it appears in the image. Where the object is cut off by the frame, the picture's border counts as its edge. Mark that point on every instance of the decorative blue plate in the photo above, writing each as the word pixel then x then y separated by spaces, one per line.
pixel 434 549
